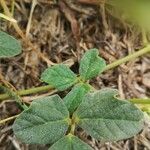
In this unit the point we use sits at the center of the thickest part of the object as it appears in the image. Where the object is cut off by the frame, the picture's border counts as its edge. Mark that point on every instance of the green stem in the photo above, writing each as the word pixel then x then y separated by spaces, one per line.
pixel 8 119
pixel 28 91
pixel 144 37
pixel 74 121
pixel 140 101
pixel 128 58
pixel 110 66
pixel 73 126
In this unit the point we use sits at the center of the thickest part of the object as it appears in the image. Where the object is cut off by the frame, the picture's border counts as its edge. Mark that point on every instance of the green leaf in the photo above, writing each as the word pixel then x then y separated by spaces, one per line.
pixel 75 96
pixel 44 122
pixel 91 64
pixel 9 46
pixel 106 118
pixel 70 142
pixel 59 76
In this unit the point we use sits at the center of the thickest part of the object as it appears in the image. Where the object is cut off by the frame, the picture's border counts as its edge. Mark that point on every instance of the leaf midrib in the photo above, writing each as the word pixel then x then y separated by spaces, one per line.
pixel 96 103
pixel 49 122
pixel 80 119
pixel 68 75
pixel 89 66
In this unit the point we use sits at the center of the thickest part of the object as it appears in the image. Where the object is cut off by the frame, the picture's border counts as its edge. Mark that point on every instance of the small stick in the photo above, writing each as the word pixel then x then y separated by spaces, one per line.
pixel 34 3
pixel 8 119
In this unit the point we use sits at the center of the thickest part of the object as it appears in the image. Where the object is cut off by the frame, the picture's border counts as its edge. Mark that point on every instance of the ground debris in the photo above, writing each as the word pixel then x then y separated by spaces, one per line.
pixel 62 31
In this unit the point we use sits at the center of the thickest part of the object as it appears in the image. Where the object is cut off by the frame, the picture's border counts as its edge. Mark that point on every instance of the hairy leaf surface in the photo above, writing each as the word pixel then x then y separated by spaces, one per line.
pixel 70 142
pixel 59 76
pixel 9 46
pixel 91 64
pixel 44 122
pixel 75 96
pixel 106 118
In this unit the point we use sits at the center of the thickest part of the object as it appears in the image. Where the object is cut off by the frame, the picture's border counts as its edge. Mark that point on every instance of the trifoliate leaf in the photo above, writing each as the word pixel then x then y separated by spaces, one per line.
pixel 9 46
pixel 59 76
pixel 106 118
pixel 91 64
pixel 70 142
pixel 75 96
pixel 44 122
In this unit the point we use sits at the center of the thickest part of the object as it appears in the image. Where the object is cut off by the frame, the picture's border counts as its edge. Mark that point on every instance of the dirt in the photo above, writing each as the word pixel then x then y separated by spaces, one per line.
pixel 60 32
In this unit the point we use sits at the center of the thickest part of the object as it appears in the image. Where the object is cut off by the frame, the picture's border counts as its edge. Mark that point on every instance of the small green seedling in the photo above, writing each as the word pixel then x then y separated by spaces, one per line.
pixel 9 46
pixel 52 120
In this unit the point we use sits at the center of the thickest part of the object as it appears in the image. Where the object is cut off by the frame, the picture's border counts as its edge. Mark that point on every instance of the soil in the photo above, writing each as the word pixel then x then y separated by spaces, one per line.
pixel 61 32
